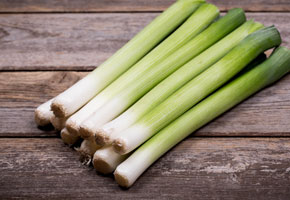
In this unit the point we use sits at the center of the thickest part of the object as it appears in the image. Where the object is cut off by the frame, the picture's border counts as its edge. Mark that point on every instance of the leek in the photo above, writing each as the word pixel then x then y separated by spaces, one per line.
pixel 197 89
pixel 225 98
pixel 68 102
pixel 133 92
pixel 109 131
pixel 204 15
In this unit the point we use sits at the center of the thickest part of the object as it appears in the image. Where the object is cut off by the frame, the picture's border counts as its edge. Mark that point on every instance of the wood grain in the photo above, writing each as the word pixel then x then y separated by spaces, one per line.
pixel 22 92
pixel 43 54
pixel 265 114
pixel 129 5
pixel 198 168
pixel 81 41
pixel 30 89
pixel 19 122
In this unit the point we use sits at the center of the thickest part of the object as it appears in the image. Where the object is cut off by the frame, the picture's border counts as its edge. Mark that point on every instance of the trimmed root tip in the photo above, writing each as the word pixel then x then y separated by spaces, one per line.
pixel 120 146
pixel 68 139
pixel 58 109
pixel 40 118
pixel 85 132
pixel 72 127
pixel 102 138
pixel 57 123
pixel 101 165
pixel 121 179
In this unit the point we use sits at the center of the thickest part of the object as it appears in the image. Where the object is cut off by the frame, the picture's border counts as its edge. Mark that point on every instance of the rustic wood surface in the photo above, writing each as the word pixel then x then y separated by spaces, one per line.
pixel 130 5
pixel 198 168
pixel 82 41
pixel 45 46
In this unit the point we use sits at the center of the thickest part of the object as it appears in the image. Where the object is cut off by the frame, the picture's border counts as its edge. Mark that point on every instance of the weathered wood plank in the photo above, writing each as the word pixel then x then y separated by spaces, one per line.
pixel 29 89
pixel 64 41
pixel 22 92
pixel 20 122
pixel 129 5
pixel 266 114
pixel 82 41
pixel 198 168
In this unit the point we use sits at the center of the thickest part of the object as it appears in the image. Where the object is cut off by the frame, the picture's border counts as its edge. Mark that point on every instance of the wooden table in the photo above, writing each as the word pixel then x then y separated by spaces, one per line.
pixel 46 46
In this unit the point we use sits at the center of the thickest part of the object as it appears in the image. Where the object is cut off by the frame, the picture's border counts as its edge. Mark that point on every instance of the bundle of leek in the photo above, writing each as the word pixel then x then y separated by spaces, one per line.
pixel 184 69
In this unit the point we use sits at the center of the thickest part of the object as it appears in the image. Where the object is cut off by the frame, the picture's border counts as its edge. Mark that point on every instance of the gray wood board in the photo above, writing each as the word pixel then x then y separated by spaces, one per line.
pixel 198 168
pixel 130 5
pixel 82 41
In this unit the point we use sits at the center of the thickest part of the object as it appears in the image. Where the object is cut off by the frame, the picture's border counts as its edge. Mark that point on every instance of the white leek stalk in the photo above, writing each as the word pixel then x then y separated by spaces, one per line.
pixel 225 98
pixel 71 100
